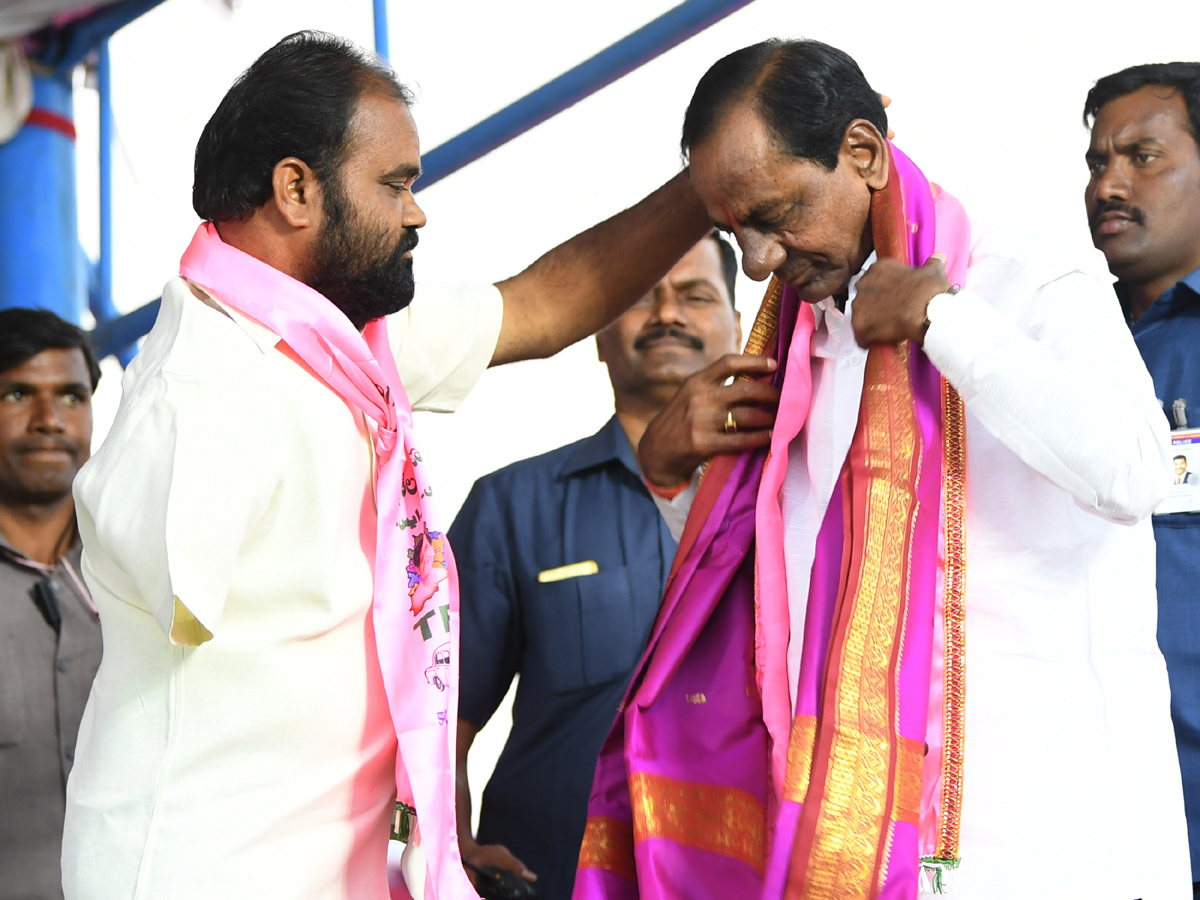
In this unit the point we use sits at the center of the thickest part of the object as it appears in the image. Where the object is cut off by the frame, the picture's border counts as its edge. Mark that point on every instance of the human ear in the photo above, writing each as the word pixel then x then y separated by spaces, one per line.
pixel 866 149
pixel 294 192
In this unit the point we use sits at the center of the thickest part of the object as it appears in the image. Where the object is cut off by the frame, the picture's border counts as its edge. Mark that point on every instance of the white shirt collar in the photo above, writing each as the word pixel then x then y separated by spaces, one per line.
pixel 264 338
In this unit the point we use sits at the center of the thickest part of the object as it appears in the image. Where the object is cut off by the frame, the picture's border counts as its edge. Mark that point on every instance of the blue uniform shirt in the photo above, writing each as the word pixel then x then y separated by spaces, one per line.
pixel 574 641
pixel 1168 337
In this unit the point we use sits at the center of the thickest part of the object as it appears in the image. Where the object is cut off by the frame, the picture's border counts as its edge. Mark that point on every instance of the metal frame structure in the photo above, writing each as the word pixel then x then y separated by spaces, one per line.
pixel 118 334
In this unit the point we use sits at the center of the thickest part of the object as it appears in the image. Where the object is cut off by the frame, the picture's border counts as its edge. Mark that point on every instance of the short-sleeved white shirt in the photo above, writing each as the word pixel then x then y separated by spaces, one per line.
pixel 259 763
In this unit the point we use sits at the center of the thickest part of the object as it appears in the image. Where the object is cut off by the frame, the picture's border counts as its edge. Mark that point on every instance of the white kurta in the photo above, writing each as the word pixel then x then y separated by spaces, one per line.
pixel 260 763
pixel 1072 785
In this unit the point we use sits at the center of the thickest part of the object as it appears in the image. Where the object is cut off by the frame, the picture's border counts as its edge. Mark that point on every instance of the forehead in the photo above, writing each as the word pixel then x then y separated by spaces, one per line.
pixel 740 167
pixel 737 157
pixel 1154 112
pixel 702 262
pixel 383 134
pixel 50 367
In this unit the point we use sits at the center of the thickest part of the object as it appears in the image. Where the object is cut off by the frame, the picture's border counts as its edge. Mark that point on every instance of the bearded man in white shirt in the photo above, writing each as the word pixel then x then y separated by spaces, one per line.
pixel 258 531
pixel 911 648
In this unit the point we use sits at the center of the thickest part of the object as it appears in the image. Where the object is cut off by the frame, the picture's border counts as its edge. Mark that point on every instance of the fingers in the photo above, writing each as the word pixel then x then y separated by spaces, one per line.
pixel 747 418
pixel 740 441
pixel 500 857
pixel 746 392
pixel 735 364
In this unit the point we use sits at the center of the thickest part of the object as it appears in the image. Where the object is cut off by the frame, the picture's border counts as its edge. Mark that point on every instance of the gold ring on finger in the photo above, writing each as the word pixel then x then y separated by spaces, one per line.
pixel 730 424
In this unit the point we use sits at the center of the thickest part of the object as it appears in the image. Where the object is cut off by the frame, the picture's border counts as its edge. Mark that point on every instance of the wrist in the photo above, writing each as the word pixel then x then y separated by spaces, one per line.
pixel 931 308
pixel 665 492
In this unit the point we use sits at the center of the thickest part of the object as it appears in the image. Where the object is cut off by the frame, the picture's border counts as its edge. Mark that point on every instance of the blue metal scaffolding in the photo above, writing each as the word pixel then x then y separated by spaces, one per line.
pixel 117 334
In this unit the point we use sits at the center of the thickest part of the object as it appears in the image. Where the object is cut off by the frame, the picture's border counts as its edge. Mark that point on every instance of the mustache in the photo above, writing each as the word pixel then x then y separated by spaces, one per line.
pixel 1135 215
pixel 33 445
pixel 408 242
pixel 661 331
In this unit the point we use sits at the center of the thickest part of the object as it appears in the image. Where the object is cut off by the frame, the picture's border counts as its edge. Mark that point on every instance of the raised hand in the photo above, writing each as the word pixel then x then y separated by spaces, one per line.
pixel 707 416
pixel 892 298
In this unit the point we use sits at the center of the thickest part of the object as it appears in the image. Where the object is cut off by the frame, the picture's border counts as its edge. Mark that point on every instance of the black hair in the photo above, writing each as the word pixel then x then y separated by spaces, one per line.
pixel 807 93
pixel 297 99
pixel 1182 77
pixel 24 333
pixel 729 264
pixel 1180 456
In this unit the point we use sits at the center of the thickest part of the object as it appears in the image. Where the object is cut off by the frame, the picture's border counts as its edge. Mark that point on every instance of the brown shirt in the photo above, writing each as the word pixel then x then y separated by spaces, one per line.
pixel 45 676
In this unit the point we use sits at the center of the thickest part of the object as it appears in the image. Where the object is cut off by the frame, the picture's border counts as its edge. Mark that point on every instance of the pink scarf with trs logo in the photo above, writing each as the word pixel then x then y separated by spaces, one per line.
pixel 415 606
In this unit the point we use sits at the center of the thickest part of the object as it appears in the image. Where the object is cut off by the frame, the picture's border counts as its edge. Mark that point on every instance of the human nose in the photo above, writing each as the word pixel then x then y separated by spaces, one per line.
pixel 414 216
pixel 761 255
pixel 44 416
pixel 666 308
pixel 1113 182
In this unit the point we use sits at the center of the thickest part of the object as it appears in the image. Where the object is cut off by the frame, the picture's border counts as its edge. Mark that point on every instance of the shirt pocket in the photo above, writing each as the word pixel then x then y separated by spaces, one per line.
pixel 589 626
pixel 12 693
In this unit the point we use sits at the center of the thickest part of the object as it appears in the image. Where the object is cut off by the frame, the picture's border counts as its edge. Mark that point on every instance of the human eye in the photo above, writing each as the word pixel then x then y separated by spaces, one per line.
pixel 1095 166
pixel 12 395
pixel 1144 157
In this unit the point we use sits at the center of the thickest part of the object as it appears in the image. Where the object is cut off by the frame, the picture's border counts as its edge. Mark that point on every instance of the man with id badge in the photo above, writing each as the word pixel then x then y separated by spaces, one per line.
pixel 1143 206
pixel 562 560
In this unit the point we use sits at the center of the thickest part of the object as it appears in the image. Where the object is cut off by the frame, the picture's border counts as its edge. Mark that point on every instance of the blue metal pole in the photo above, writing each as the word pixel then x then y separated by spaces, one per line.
pixel 651 40
pixel 40 261
pixel 74 42
pixel 102 302
pixel 648 42
pixel 102 305
pixel 381 28
pixel 119 335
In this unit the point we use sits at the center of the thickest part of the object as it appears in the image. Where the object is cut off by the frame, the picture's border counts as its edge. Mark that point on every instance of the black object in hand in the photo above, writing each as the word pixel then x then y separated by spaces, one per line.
pixel 500 884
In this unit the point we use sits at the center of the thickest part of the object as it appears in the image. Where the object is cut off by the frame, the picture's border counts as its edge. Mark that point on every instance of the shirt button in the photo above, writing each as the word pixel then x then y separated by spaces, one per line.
pixel 855 360
pixel 69 753
pixel 61 665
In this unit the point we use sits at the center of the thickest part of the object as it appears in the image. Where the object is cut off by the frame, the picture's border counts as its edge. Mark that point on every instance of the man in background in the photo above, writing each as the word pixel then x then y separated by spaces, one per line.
pixel 562 560
pixel 1143 207
pixel 49 632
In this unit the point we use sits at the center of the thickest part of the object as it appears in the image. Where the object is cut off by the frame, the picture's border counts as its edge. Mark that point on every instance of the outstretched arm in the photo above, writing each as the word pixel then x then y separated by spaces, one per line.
pixel 582 285
pixel 480 855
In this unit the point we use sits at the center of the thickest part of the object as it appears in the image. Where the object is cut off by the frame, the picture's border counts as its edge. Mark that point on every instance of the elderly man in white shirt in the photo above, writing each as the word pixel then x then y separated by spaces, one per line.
pixel 238 742
pixel 1069 780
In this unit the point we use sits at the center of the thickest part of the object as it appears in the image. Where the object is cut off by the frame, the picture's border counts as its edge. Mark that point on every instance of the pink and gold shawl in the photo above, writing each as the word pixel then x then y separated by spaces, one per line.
pixel 710 784
pixel 415 606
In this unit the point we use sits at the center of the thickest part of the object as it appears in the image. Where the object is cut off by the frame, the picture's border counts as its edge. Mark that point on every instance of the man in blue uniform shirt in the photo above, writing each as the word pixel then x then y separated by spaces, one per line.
pixel 1143 205
pixel 562 560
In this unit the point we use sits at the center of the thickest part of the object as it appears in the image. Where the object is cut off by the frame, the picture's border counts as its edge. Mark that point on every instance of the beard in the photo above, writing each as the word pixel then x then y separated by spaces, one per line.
pixel 359 267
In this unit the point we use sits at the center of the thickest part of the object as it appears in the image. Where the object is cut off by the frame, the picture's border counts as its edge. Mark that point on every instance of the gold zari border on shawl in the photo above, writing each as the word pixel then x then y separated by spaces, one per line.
pixel 608 845
pixel 762 336
pixel 766 323
pixel 954 621
pixel 723 820
pixel 910 761
pixel 854 819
